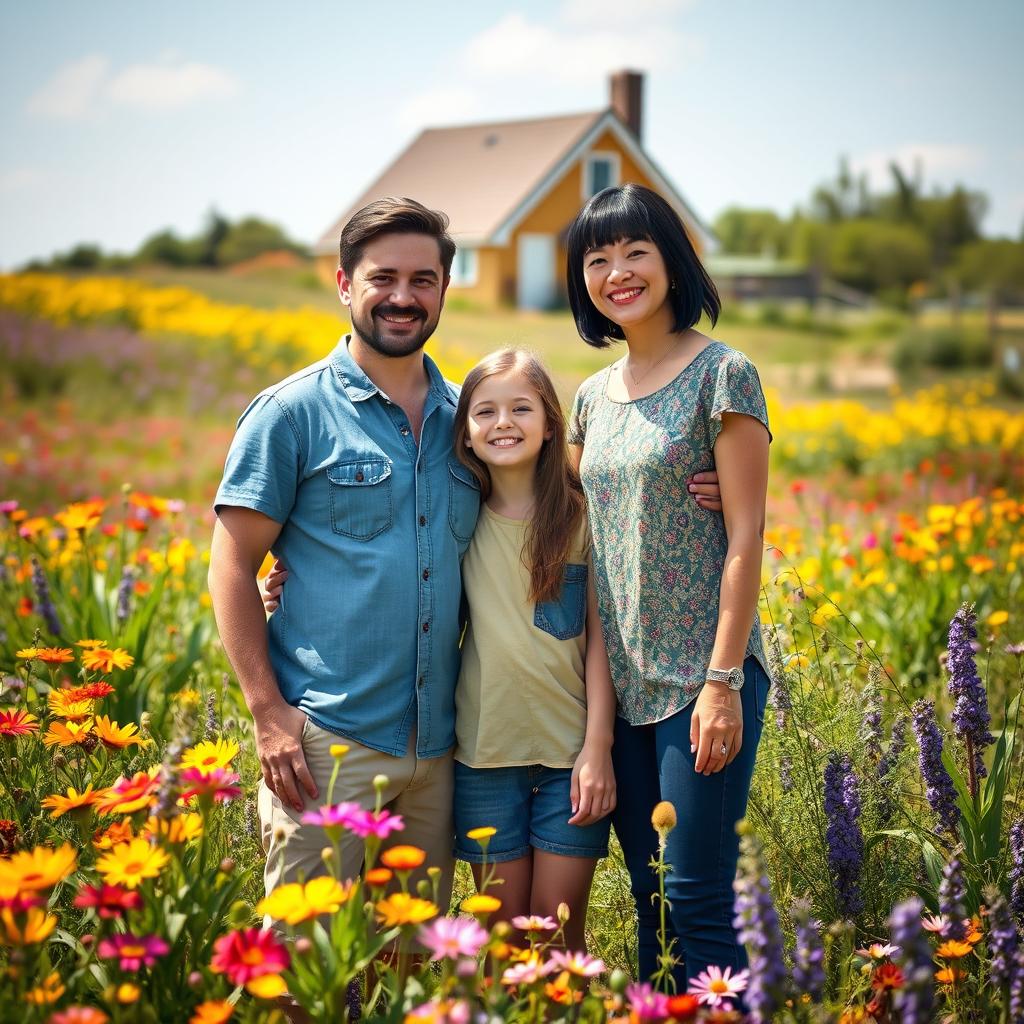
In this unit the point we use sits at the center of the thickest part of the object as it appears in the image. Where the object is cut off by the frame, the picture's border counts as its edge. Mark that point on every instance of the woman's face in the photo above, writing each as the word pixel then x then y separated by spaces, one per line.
pixel 627 281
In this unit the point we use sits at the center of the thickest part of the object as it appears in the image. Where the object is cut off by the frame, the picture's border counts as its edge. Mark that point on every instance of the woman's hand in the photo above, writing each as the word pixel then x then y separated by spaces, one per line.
pixel 273 585
pixel 592 790
pixel 716 728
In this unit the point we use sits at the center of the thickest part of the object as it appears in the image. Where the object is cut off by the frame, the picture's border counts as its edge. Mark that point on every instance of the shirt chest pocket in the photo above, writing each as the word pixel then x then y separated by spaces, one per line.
pixel 463 501
pixel 565 618
pixel 361 503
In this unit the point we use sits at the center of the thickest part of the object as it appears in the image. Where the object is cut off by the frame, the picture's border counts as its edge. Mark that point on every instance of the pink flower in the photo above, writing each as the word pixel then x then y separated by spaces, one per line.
pixel 376 823
pixel 133 951
pixel 527 972
pixel 331 817
pixel 934 923
pixel 581 964
pixel 447 1011
pixel 715 988
pixel 533 923
pixel 216 782
pixel 248 953
pixel 449 938
pixel 870 541
pixel 645 1003
pixel 877 951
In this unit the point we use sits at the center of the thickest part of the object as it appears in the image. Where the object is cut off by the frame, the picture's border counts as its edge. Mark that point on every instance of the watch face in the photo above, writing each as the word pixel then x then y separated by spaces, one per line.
pixel 736 678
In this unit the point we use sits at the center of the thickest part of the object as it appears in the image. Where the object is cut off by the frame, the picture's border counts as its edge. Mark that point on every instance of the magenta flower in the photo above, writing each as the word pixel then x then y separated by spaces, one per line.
pixel 219 783
pixel 449 938
pixel 527 972
pixel 715 987
pixel 133 951
pixel 335 816
pixel 374 823
pixel 645 1003
pixel 581 964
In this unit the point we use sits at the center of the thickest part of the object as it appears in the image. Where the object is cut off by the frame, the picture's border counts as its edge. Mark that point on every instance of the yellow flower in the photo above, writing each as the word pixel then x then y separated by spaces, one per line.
pixel 187 698
pixel 27 653
pixel 100 659
pixel 90 645
pixel 63 705
pixel 118 736
pixel 998 618
pixel 67 734
pixel 401 908
pixel 62 804
pixel 182 828
pixel 210 755
pixel 339 750
pixel 295 902
pixel 480 903
pixel 129 864
pixel 82 515
pixel 485 832
pixel 36 870
pixel 48 992
pixel 125 993
pixel 663 817
pixel 267 986
pixel 37 927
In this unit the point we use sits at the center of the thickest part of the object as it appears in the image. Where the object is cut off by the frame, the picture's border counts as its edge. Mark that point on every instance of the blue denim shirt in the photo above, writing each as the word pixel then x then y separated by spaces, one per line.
pixel 366 638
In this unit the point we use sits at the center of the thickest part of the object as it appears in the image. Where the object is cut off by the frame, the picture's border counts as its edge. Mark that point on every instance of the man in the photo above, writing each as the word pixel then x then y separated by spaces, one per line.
pixel 345 471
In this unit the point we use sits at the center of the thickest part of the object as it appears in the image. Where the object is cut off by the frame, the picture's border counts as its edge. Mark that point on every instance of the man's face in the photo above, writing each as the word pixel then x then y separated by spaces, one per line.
pixel 395 293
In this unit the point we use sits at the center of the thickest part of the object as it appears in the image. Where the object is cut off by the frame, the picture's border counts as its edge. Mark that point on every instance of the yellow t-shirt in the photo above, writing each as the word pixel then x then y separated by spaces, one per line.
pixel 521 697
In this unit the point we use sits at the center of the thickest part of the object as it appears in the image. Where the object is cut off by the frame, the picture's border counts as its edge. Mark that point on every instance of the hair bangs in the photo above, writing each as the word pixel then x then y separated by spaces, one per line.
pixel 615 215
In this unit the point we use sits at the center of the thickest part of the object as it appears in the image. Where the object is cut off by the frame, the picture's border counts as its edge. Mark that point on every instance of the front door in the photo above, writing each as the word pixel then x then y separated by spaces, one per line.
pixel 537 286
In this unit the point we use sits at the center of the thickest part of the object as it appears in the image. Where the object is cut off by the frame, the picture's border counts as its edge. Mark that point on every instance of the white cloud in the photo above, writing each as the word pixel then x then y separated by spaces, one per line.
pixel 438 107
pixel 935 160
pixel 516 46
pixel 604 12
pixel 168 85
pixel 85 86
pixel 73 90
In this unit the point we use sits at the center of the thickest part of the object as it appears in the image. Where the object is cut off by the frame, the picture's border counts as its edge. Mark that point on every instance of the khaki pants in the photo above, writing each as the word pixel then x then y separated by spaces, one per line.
pixel 419 790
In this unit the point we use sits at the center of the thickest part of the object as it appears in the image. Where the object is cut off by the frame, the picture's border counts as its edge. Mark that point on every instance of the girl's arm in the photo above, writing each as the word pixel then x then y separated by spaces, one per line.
pixel 593 779
pixel 741 456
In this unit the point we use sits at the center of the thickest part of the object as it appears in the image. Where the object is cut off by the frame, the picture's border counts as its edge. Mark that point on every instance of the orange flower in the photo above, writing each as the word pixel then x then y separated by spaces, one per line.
pixel 378 876
pixel 403 858
pixel 561 991
pixel 48 992
pixel 62 804
pixel 66 704
pixel 55 655
pixel 182 828
pixel 36 870
pixel 81 515
pixel 953 949
pixel 129 795
pixel 15 722
pixel 67 734
pixel 887 977
pixel 401 908
pixel 118 736
pixel 213 1011
pixel 36 928
pixel 119 832
pixel 101 659
pixel 950 975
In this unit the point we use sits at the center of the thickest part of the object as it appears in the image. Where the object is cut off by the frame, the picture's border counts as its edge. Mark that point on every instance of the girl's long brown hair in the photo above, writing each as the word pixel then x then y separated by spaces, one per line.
pixel 558 506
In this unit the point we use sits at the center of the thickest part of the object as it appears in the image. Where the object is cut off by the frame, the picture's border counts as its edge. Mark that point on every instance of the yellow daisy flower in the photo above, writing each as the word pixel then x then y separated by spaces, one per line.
pixel 101 659
pixel 210 755
pixel 36 870
pixel 182 828
pixel 67 734
pixel 37 927
pixel 118 736
pixel 401 908
pixel 59 805
pixel 63 705
pixel 130 864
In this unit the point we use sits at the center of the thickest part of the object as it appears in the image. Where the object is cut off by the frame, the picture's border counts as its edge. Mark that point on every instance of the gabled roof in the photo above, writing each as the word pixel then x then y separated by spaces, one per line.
pixel 487 177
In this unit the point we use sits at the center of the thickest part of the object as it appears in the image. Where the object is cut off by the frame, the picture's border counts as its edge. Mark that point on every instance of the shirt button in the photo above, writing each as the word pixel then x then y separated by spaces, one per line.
pixel 404 431
pixel 426 574
pixel 359 478
pixel 423 520
pixel 426 627
pixel 419 682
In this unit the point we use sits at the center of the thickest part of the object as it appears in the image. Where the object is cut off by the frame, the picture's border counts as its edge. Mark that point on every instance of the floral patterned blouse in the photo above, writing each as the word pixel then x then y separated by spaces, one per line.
pixel 658 555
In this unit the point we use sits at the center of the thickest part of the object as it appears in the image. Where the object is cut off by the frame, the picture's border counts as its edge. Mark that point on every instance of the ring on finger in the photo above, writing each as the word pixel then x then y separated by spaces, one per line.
pixel 724 749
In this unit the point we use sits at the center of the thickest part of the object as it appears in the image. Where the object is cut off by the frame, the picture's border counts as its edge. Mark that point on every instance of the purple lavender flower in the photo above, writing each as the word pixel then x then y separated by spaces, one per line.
pixel 46 607
pixel 780 699
pixel 809 954
pixel 1017 987
pixel 952 892
pixel 1003 940
pixel 759 930
pixel 124 594
pixel 887 763
pixel 1017 869
pixel 938 785
pixel 786 773
pixel 354 1000
pixel 871 724
pixel 915 1000
pixel 970 711
pixel 844 838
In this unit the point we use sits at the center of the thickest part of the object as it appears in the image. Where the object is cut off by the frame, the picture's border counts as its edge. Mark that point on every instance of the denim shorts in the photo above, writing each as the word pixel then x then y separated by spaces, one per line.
pixel 529 806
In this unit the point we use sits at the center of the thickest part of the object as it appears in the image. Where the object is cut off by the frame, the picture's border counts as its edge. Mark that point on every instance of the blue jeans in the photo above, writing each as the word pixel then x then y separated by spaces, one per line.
pixel 652 763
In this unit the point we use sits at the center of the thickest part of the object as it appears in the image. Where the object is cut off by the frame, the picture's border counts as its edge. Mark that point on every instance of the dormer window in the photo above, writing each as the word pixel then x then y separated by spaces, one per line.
pixel 600 171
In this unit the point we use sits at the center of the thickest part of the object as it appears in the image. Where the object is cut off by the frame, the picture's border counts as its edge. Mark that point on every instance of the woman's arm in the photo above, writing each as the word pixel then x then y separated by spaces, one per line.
pixel 593 779
pixel 741 457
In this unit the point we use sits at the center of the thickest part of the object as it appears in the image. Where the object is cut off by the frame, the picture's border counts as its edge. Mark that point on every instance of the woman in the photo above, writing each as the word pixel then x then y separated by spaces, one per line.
pixel 677 584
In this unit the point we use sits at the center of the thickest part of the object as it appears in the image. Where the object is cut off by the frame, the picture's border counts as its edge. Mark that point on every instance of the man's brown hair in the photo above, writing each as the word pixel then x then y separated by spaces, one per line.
pixel 392 216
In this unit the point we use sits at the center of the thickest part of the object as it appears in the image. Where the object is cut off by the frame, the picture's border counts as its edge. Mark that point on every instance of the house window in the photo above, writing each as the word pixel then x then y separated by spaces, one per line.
pixel 464 267
pixel 600 170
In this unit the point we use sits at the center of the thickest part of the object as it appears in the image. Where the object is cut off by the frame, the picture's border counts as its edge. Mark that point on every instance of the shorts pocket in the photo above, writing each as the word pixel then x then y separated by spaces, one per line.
pixel 361 505
pixel 463 501
pixel 565 617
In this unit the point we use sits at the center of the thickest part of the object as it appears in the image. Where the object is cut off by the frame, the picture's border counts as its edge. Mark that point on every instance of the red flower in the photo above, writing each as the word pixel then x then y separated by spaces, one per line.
pixel 109 900
pixel 25 607
pixel 683 1007
pixel 17 723
pixel 90 691
pixel 887 977
pixel 248 953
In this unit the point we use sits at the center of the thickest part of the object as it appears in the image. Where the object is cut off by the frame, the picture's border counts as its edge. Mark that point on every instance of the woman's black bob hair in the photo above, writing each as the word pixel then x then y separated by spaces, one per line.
pixel 635 212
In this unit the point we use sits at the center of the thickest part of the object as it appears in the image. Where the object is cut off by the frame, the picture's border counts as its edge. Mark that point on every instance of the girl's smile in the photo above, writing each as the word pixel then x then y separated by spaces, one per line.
pixel 506 425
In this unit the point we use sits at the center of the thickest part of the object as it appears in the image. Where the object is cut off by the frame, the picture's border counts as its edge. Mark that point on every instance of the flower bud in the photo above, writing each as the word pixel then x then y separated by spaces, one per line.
pixel 227 865
pixel 424 889
pixel 339 750
pixel 87 940
pixel 145 720
pixel 563 912
pixel 195 980
pixel 239 913
pixel 380 782
pixel 618 981
pixel 327 854
pixel 502 930
pixel 303 945
pixel 663 817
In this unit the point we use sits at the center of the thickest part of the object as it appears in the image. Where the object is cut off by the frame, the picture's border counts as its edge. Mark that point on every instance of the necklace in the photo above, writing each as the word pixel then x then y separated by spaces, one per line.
pixel 657 362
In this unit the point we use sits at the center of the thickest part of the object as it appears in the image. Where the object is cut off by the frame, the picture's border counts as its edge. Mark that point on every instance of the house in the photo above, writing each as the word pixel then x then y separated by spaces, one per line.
pixel 512 188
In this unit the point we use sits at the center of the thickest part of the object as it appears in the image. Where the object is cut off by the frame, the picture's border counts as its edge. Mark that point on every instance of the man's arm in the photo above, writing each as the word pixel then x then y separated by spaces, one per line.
pixel 241 539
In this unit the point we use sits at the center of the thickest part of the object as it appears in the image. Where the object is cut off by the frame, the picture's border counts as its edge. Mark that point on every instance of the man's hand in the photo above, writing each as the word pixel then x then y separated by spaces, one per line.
pixel 273 585
pixel 592 789
pixel 704 489
pixel 279 748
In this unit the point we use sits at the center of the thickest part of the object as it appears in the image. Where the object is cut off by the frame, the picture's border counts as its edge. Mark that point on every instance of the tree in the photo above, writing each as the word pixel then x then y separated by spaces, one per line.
pixel 249 238
pixel 167 248
pixel 995 267
pixel 875 257
pixel 751 231
pixel 217 229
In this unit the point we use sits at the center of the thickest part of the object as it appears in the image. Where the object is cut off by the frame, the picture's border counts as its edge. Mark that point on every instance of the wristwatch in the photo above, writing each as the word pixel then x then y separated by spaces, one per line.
pixel 732 677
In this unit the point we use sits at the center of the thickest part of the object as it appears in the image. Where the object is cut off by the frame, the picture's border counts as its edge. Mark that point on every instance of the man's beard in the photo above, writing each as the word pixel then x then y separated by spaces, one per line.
pixel 371 330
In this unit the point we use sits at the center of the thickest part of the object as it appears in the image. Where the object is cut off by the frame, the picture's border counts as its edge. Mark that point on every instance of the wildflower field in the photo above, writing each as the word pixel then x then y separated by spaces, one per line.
pixel 882 876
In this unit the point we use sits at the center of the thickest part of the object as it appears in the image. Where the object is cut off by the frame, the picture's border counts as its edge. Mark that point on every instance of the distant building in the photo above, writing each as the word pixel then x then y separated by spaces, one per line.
pixel 511 190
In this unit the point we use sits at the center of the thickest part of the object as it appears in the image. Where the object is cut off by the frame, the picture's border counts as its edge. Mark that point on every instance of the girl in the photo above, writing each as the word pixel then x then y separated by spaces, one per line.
pixel 677 584
pixel 534 700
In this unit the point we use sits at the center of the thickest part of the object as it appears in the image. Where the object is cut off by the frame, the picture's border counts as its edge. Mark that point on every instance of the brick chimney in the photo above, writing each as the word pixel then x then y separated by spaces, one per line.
pixel 627 98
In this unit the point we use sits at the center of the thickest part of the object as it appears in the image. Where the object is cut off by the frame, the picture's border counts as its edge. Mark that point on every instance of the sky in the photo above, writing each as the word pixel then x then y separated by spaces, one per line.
pixel 120 119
